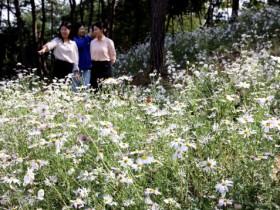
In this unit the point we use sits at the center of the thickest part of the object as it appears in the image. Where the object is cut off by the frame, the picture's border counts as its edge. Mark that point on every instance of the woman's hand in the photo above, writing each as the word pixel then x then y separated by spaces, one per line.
pixel 43 50
pixel 77 75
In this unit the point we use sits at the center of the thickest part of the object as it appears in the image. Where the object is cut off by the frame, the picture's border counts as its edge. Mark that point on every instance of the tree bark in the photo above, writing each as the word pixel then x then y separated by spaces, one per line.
pixel 8 13
pixel 52 19
pixel 210 11
pixel 20 33
pixel 101 11
pixel 235 8
pixel 90 18
pixel 73 11
pixel 158 35
pixel 102 4
pixel 34 34
pixel 1 8
pixel 135 36
pixel 41 40
pixel 112 6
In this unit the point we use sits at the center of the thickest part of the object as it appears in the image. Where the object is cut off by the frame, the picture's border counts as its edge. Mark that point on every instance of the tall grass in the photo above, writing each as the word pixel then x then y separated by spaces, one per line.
pixel 209 142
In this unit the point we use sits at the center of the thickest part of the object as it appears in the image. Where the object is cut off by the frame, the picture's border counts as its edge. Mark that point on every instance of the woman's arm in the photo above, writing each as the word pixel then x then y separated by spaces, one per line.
pixel 112 51
pixel 43 50
pixel 49 46
pixel 75 57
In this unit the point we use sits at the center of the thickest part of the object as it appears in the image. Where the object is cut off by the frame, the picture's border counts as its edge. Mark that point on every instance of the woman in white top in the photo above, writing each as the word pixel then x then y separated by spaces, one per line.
pixel 65 52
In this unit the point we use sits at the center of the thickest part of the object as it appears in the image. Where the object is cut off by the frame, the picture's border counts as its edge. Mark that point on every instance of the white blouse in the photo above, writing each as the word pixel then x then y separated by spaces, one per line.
pixel 65 51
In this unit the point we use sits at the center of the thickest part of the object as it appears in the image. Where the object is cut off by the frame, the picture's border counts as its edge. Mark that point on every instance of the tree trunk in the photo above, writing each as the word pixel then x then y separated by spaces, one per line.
pixel 210 11
pixel 1 8
pixel 90 17
pixel 168 22
pixel 82 11
pixel 52 19
pixel 102 4
pixel 41 40
pixel 101 11
pixel 73 11
pixel 8 13
pixel 235 8
pixel 112 6
pixel 137 24
pixel 158 35
pixel 34 34
pixel 20 33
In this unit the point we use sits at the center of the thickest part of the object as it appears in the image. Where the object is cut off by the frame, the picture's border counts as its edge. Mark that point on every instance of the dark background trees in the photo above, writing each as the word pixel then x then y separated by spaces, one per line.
pixel 27 25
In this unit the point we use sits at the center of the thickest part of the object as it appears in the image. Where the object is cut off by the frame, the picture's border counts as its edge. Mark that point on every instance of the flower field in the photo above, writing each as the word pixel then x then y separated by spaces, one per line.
pixel 209 140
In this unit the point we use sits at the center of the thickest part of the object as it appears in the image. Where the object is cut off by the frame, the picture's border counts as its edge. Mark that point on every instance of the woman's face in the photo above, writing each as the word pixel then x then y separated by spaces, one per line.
pixel 81 31
pixel 64 32
pixel 97 31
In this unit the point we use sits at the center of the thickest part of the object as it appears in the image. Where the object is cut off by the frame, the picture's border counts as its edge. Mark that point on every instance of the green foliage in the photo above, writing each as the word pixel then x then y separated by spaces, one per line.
pixel 225 41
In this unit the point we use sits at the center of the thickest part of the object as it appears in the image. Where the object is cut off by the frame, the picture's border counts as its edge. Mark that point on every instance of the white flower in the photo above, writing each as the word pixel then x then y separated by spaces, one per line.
pixel 78 203
pixel 59 144
pixel 83 192
pixel 265 101
pixel 224 202
pixel 127 180
pixel 126 161
pixel 129 202
pixel 230 98
pixel 123 145
pixel 88 176
pixel 176 143
pixel 43 110
pixel 245 119
pixel 29 177
pixel 11 180
pixel 148 200
pixel 169 201
pixel 70 171
pixel 267 125
pixel 223 187
pixel 243 85
pixel 208 165
pixel 150 191
pixel 178 86
pixel 137 166
pixel 107 199
pixel 246 132
pixel 185 146
pixel 178 154
pixel 145 160
pixel 41 194
pixel 78 150
pixel 196 73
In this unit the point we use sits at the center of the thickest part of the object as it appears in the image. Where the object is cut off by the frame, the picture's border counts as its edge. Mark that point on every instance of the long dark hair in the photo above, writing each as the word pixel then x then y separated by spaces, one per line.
pixel 101 26
pixel 77 26
pixel 67 25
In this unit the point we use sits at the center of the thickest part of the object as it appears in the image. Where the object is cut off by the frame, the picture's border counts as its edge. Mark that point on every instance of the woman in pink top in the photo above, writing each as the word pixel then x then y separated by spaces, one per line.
pixel 103 56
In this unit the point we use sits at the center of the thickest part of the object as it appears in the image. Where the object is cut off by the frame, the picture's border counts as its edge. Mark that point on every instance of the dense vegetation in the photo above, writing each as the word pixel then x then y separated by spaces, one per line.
pixel 208 139
pixel 27 25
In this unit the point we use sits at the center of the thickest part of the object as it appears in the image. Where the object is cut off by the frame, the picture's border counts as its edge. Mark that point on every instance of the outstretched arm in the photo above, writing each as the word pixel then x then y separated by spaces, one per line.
pixel 49 46
pixel 43 50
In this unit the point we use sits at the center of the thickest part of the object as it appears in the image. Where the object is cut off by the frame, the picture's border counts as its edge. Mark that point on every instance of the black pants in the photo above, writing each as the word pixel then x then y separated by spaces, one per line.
pixel 61 69
pixel 100 70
